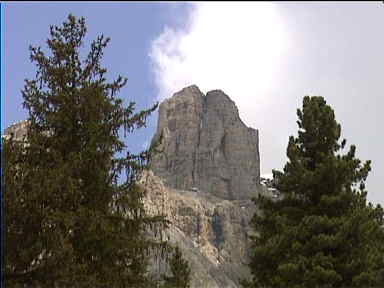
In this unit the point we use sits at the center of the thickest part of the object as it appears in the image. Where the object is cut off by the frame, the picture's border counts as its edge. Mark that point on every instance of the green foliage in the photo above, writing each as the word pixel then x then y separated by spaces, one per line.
pixel 320 232
pixel 69 222
pixel 181 273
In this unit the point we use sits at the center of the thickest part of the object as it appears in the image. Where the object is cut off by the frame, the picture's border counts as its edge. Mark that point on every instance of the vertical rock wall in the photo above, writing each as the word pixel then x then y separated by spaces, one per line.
pixel 205 145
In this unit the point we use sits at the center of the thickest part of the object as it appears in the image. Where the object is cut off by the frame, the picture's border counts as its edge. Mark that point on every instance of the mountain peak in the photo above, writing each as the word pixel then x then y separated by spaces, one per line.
pixel 206 145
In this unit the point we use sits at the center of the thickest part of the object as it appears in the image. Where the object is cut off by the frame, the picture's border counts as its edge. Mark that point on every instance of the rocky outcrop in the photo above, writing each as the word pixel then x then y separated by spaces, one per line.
pixel 18 130
pixel 203 179
pixel 212 233
pixel 206 145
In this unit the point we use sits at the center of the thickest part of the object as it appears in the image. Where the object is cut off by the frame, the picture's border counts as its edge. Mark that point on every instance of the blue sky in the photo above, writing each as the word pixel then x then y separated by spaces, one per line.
pixel 131 27
pixel 265 55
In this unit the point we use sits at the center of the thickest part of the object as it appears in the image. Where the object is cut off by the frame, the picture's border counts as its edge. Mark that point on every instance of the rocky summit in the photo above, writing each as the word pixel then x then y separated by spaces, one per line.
pixel 205 146
pixel 203 179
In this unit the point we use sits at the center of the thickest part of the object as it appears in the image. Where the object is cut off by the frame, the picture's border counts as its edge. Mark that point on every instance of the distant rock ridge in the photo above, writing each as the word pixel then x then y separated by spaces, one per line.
pixel 18 130
pixel 206 146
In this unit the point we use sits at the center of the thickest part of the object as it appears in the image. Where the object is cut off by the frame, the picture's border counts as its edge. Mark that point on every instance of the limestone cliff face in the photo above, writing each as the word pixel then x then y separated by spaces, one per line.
pixel 207 146
pixel 212 233
pixel 203 182
pixel 18 130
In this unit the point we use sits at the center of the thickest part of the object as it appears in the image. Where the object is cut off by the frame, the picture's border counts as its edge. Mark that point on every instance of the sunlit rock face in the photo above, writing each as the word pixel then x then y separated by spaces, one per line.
pixel 213 233
pixel 18 130
pixel 203 181
pixel 206 146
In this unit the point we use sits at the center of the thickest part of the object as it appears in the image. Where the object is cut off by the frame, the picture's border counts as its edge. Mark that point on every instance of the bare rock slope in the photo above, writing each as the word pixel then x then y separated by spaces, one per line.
pixel 211 232
pixel 203 181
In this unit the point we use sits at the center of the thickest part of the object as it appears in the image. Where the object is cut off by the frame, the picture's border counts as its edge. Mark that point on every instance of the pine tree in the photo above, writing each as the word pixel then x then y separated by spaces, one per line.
pixel 70 222
pixel 320 232
pixel 179 268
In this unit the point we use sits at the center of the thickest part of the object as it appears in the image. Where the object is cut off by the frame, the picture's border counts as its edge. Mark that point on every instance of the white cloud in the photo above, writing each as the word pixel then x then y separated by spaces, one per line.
pixel 234 47
pixel 267 176
pixel 237 48
pixel 267 56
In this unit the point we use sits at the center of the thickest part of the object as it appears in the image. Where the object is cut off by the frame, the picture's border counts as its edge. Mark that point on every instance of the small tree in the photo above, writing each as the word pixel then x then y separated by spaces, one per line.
pixel 320 232
pixel 181 273
pixel 69 221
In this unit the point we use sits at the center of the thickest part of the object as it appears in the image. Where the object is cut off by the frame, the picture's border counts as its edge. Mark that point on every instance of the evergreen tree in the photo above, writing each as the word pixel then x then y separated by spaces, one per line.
pixel 181 273
pixel 320 232
pixel 70 222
